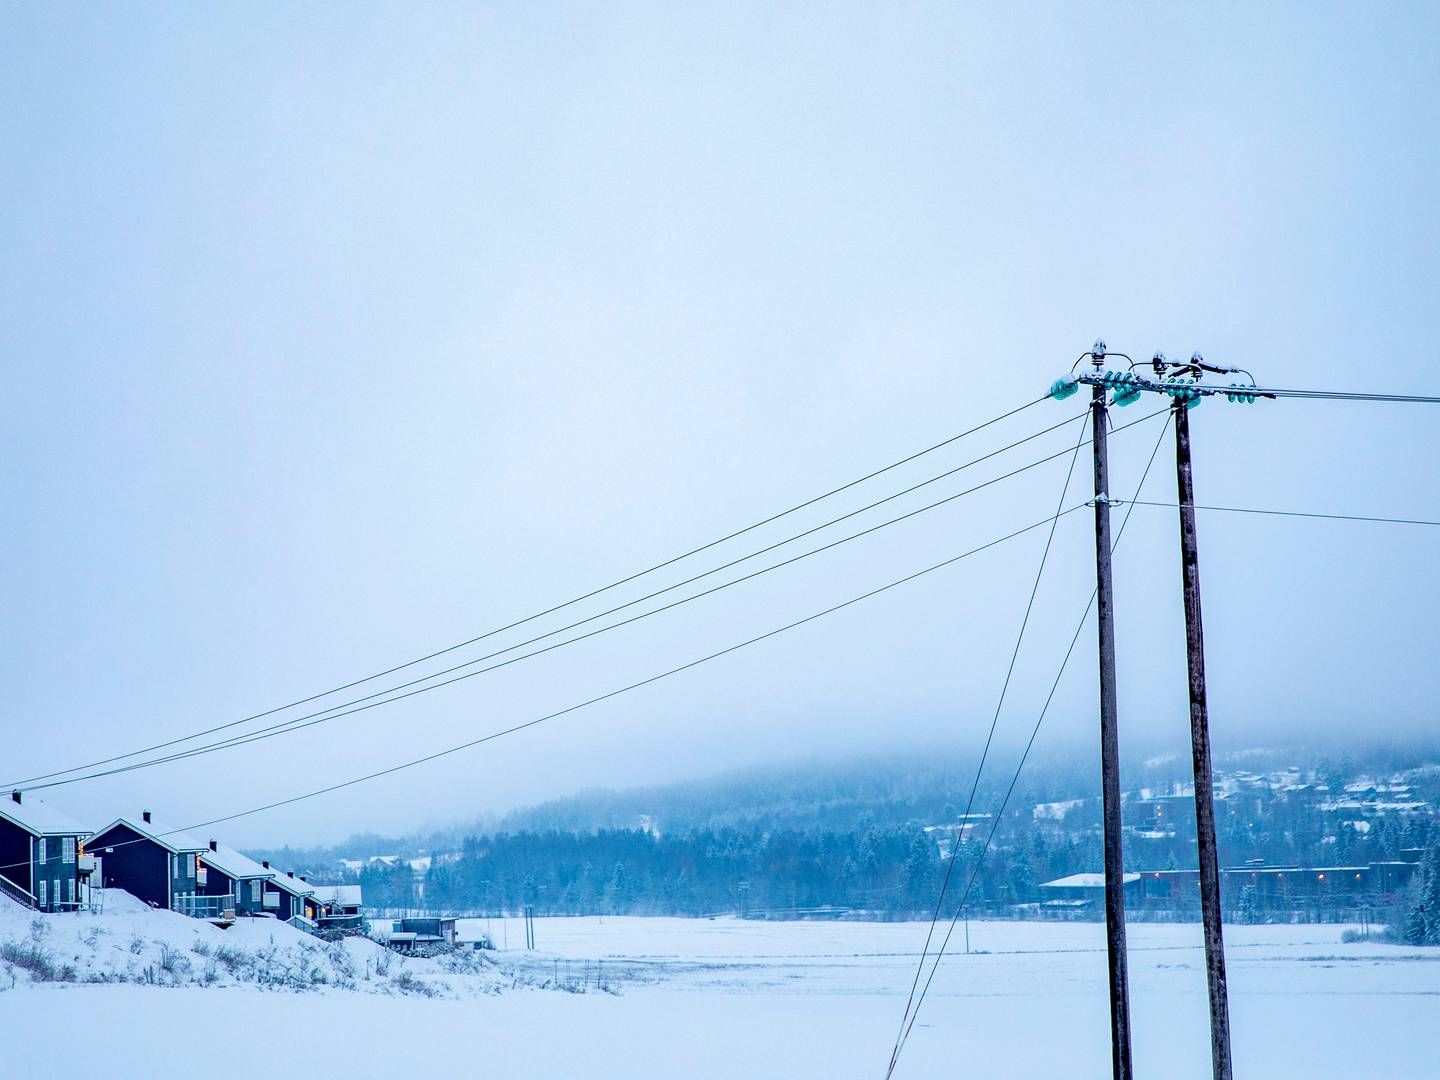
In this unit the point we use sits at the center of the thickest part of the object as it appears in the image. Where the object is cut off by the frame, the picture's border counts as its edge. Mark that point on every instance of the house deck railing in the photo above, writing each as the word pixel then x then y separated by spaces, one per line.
pixel 204 907
pixel 302 923
pixel 17 893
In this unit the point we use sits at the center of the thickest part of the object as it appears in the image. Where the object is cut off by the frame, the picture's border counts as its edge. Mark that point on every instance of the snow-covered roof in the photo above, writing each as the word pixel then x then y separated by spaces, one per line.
pixel 235 863
pixel 340 895
pixel 1084 881
pixel 293 885
pixel 173 840
pixel 39 818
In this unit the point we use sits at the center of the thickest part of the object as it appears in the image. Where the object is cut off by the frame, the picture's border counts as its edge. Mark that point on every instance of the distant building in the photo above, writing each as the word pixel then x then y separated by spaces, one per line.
pixel 1262 888
pixel 42 862
pixel 1079 894
pixel 341 908
pixel 420 934
pixel 152 862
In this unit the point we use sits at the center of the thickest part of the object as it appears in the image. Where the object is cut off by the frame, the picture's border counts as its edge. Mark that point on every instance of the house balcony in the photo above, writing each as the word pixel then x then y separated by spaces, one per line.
pixel 217 909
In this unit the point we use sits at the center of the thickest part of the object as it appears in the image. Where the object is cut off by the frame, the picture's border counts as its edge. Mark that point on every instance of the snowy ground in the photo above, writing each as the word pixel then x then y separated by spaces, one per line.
pixel 727 998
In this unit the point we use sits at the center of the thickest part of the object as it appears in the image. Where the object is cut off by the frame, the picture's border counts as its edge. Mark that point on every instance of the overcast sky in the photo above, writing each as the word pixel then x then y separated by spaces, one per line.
pixel 335 336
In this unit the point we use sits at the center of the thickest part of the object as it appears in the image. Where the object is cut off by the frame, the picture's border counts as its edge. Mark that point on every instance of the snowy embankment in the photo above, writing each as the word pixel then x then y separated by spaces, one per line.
pixel 130 942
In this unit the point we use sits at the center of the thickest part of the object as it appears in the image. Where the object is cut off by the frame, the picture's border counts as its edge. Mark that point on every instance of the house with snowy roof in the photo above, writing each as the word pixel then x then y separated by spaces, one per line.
pixel 341 907
pixel 234 876
pixel 154 863
pixel 291 899
pixel 42 862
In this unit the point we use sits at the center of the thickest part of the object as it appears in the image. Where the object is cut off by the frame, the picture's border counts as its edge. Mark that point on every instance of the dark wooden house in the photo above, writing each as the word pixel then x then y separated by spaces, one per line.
pixel 234 877
pixel 42 862
pixel 154 863
pixel 341 908
pixel 290 898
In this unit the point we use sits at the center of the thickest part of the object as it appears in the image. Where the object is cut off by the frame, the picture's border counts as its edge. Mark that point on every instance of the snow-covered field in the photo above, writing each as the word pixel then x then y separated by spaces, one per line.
pixel 728 998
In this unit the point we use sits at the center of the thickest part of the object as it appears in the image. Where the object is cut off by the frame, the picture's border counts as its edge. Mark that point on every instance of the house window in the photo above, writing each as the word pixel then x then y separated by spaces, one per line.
pixel 70 890
pixel 41 895
pixel 40 855
pixel 67 849
pixel 255 891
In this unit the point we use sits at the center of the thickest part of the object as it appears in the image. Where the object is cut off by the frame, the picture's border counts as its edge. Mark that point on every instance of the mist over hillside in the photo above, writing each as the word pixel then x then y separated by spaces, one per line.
pixel 923 786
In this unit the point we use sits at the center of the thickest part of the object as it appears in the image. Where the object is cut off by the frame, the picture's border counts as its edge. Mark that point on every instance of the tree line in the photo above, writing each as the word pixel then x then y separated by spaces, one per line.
pixel 888 869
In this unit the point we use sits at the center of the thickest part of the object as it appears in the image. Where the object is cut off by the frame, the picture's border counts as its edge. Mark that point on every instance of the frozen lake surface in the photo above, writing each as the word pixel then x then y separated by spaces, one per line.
pixel 804 1001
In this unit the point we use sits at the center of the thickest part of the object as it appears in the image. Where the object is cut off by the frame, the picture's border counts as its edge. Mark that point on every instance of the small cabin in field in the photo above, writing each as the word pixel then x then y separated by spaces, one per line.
pixel 42 858
pixel 234 876
pixel 154 863
pixel 1073 896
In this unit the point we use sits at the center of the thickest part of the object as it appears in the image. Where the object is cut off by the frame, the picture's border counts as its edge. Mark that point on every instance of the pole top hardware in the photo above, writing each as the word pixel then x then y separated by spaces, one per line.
pixel 1181 381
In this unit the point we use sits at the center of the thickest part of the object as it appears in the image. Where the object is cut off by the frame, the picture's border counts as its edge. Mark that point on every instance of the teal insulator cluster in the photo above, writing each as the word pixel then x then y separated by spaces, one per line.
pixel 1127 397
pixel 1241 394
pixel 1182 390
pixel 1064 387
pixel 1126 385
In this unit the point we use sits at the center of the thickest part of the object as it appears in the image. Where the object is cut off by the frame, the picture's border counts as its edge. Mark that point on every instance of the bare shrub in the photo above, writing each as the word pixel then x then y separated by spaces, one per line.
pixel 407 983
pixel 33 957
pixel 172 961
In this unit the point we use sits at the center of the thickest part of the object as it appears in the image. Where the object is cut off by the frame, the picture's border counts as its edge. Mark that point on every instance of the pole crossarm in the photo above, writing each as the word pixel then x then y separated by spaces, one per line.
pixel 1129 385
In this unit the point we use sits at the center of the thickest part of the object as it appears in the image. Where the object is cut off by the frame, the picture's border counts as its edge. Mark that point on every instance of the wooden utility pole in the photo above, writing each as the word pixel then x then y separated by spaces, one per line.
pixel 1110 753
pixel 1200 752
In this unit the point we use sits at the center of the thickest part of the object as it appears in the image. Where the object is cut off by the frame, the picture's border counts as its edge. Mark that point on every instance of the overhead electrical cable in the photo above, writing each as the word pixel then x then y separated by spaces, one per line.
pixel 608 695
pixel 1334 395
pixel 1020 765
pixel 557 607
pixel 345 709
pixel 990 735
pixel 1292 513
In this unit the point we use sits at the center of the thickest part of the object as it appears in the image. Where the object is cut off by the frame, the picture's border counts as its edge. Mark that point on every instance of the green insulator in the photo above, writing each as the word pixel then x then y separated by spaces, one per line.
pixel 1063 388
pixel 1128 396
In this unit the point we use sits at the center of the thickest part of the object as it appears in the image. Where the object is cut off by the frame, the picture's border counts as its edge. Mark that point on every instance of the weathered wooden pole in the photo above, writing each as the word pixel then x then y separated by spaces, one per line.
pixel 1110 753
pixel 1200 753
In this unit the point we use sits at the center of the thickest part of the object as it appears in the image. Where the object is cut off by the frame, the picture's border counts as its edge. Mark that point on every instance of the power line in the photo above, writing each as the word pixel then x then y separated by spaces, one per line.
pixel 1293 513
pixel 471 743
pixel 1337 395
pixel 557 607
pixel 300 723
pixel 989 739
pixel 1020 765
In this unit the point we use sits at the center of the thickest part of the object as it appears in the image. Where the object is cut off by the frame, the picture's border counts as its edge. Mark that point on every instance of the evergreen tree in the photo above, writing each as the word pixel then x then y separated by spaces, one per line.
pixel 1422 920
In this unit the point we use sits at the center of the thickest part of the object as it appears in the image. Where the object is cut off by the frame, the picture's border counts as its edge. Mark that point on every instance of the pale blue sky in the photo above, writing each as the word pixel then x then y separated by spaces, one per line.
pixel 335 336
